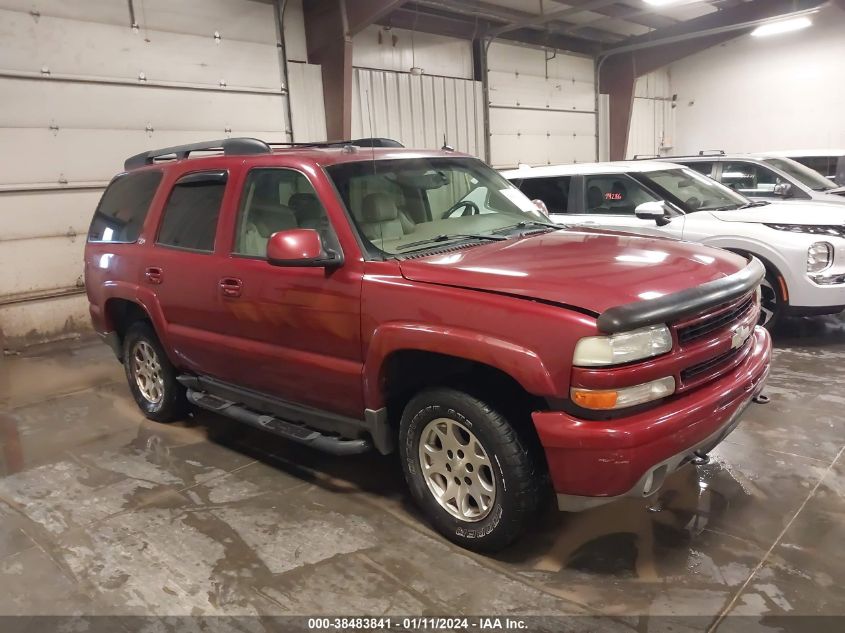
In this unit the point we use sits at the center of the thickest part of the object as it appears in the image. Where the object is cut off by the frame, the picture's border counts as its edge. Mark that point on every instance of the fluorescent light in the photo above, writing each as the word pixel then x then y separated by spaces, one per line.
pixel 782 26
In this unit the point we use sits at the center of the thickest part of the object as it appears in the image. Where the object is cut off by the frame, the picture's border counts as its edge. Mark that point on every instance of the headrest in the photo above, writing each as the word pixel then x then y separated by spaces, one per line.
pixel 266 189
pixel 594 197
pixel 379 207
pixel 306 205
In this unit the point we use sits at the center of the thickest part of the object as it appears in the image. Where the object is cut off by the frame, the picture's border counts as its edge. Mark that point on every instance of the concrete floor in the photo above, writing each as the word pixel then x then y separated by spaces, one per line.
pixel 103 512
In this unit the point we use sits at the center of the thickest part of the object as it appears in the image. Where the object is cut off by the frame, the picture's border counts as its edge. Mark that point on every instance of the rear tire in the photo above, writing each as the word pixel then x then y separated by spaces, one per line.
pixel 151 376
pixel 772 302
pixel 468 469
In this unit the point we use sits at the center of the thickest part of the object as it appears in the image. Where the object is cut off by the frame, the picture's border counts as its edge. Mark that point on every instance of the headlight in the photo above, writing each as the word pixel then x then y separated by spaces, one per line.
pixel 624 397
pixel 819 257
pixel 598 351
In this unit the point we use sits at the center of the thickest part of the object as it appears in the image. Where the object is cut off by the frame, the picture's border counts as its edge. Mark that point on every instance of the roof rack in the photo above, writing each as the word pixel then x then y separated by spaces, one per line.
pixel 243 146
pixel 646 156
pixel 358 142
pixel 229 146
pixel 711 152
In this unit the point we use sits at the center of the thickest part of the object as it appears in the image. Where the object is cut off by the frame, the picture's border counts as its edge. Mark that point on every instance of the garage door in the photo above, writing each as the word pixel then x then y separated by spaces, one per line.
pixel 542 106
pixel 86 84
pixel 420 111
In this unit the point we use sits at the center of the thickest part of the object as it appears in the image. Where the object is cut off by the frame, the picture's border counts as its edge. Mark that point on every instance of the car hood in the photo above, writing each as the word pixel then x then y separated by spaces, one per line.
pixel 787 212
pixel 591 270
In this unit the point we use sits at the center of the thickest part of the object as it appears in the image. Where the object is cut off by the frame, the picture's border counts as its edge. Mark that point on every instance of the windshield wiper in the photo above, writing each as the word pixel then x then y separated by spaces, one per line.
pixel 754 203
pixel 445 237
pixel 526 223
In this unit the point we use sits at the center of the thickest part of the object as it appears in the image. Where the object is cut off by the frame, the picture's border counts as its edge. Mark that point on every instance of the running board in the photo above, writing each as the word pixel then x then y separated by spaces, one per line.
pixel 276 426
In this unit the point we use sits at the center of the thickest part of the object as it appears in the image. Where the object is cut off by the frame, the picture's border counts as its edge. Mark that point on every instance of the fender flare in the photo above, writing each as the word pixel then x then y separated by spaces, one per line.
pixel 520 363
pixel 146 300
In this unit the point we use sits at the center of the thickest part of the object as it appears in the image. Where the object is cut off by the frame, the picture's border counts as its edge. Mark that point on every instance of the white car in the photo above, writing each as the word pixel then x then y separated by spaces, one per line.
pixel 764 177
pixel 801 245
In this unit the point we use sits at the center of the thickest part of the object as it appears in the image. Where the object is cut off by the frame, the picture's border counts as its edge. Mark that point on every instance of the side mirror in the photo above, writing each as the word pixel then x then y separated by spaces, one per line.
pixel 783 189
pixel 541 207
pixel 653 210
pixel 300 247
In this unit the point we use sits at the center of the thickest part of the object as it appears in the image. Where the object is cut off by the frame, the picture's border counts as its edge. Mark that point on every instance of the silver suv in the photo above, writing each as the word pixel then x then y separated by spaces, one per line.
pixel 761 177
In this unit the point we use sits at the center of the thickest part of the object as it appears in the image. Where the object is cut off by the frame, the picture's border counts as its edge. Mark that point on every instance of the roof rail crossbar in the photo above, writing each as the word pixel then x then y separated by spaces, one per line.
pixel 645 156
pixel 229 146
pixel 711 152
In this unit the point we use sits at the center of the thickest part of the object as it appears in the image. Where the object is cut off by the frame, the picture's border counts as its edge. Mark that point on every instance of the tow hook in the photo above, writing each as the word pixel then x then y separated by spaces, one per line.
pixel 760 399
pixel 700 458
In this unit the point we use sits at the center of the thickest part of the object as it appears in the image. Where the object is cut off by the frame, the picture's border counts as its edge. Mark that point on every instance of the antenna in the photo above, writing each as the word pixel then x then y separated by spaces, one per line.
pixel 370 121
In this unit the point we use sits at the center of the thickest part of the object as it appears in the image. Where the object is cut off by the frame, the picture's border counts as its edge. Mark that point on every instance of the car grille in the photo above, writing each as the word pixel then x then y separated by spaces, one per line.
pixel 715 321
pixel 696 372
pixel 714 330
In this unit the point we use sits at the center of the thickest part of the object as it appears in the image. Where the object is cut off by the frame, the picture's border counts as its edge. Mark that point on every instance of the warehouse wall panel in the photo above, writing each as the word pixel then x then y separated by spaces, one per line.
pixel 377 47
pixel 75 105
pixel 756 94
pixel 542 106
pixel 418 111
pixel 651 130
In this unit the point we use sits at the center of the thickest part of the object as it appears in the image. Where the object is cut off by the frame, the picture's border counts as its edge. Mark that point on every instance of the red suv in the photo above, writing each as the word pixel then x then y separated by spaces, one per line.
pixel 360 296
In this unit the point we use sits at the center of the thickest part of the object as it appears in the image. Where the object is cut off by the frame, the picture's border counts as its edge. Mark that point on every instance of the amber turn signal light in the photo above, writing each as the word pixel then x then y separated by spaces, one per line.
pixel 595 399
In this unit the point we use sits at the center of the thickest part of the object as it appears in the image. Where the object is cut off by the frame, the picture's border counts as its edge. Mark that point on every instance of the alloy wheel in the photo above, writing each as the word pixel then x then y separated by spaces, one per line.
pixel 146 368
pixel 457 469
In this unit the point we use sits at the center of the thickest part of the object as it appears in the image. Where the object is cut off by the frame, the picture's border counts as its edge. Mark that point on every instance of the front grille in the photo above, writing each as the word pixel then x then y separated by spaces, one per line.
pixel 690 374
pixel 696 330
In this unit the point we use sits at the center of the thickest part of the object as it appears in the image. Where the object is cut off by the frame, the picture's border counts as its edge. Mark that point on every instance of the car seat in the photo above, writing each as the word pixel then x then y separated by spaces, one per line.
pixel 380 217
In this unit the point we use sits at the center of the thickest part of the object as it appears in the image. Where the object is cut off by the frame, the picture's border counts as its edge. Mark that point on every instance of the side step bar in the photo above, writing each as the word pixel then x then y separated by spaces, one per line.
pixel 287 430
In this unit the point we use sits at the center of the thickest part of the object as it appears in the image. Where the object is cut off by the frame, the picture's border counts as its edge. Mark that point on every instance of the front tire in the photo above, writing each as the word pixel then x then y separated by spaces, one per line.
pixel 468 469
pixel 151 376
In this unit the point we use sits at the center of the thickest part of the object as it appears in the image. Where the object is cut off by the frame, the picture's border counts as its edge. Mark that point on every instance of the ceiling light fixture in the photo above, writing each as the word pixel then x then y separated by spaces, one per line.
pixel 782 26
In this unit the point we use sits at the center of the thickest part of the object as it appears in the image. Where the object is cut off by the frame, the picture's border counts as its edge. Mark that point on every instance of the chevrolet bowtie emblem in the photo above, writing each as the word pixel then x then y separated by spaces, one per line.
pixel 740 335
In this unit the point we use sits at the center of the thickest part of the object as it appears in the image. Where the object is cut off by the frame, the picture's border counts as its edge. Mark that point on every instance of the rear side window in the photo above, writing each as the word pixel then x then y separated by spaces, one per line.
pixel 553 191
pixel 123 208
pixel 191 213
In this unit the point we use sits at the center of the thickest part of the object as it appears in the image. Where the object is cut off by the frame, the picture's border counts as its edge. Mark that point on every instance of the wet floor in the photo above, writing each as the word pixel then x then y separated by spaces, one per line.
pixel 103 512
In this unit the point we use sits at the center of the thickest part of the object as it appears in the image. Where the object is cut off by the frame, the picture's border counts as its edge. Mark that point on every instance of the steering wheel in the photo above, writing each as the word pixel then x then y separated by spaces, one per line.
pixel 693 203
pixel 469 207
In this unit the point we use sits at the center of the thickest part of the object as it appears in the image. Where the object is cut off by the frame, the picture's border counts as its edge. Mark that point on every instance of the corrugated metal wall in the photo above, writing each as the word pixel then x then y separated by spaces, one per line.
pixel 82 90
pixel 652 117
pixel 418 110
pixel 542 106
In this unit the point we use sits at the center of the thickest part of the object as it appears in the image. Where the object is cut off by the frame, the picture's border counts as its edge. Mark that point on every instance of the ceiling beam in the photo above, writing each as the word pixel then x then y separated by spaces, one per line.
pixel 457 25
pixel 487 18
pixel 361 13
pixel 640 16
pixel 747 13
pixel 545 18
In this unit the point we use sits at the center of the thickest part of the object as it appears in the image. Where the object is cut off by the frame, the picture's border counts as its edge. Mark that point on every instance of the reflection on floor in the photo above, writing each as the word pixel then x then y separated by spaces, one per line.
pixel 104 512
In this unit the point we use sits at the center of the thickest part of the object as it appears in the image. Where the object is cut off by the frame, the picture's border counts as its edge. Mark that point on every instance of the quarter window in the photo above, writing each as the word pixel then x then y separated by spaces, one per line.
pixel 123 208
pixel 192 211
pixel 277 200
pixel 614 194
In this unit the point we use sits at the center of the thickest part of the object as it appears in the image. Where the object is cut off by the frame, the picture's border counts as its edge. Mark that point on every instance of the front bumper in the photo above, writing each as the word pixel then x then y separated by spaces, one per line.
pixel 592 463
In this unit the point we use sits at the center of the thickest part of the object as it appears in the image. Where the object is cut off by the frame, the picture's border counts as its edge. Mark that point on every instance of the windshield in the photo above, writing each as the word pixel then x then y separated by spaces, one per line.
pixel 693 192
pixel 406 205
pixel 806 176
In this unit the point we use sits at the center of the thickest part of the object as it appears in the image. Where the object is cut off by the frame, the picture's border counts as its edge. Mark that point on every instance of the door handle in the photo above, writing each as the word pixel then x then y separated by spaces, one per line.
pixel 231 287
pixel 154 275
